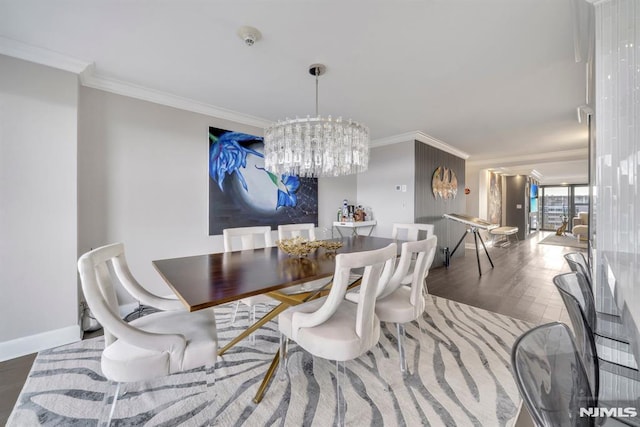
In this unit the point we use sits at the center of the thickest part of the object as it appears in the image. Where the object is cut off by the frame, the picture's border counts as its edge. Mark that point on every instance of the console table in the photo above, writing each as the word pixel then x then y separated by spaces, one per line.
pixel 354 226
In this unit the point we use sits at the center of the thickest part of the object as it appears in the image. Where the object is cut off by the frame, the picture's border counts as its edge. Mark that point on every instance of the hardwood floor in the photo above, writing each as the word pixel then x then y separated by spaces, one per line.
pixel 519 286
pixel 13 374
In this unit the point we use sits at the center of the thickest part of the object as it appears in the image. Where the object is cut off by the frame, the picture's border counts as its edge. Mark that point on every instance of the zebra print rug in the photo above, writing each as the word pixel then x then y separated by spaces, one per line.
pixel 462 378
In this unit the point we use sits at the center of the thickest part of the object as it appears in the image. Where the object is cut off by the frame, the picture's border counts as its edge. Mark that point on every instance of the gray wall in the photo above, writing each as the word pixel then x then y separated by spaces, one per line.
pixel 38 206
pixel 82 168
pixel 515 194
pixel 389 166
pixel 331 192
pixel 142 180
pixel 143 172
pixel 428 209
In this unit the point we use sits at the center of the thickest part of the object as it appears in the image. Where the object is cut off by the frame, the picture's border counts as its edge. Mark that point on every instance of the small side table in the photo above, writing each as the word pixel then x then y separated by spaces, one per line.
pixel 354 226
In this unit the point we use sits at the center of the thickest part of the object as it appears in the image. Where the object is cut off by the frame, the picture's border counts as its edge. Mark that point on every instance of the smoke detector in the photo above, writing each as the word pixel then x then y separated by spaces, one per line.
pixel 249 35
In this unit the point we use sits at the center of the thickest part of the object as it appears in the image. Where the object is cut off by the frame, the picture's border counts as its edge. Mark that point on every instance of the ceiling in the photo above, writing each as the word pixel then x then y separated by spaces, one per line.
pixel 496 79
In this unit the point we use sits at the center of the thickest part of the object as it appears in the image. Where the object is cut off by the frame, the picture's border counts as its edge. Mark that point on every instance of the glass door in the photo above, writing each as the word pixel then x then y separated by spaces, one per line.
pixel 555 207
pixel 561 204
pixel 580 199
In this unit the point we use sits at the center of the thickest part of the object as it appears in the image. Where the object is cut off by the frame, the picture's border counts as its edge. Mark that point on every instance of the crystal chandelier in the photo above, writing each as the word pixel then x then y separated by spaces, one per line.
pixel 316 146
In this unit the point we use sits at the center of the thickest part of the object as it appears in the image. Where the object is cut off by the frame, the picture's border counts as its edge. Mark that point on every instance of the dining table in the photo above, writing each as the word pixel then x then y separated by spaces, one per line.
pixel 209 280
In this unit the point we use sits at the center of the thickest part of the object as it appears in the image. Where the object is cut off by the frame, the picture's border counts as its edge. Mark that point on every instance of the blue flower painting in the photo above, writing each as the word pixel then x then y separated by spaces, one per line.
pixel 242 193
pixel 227 156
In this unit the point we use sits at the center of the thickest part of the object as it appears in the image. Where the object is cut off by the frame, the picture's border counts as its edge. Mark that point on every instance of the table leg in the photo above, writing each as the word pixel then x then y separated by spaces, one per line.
pixel 459 241
pixel 267 317
pixel 267 378
pixel 276 358
pixel 475 239
pixel 485 249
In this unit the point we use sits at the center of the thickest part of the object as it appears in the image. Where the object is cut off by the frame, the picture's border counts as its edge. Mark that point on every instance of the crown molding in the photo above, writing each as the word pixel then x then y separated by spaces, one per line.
pixel 421 137
pixel 42 56
pixel 554 156
pixel 89 79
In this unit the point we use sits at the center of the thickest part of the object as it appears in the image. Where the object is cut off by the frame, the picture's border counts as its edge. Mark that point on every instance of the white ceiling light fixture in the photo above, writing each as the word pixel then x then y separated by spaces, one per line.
pixel 315 146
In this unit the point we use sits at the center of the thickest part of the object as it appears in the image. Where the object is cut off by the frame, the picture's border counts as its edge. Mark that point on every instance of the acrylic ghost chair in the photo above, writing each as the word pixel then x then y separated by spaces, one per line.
pixel 578 263
pixel 611 383
pixel 156 345
pixel 576 285
pixel 336 329
pixel 247 237
pixel 403 304
pixel 606 325
pixel 551 377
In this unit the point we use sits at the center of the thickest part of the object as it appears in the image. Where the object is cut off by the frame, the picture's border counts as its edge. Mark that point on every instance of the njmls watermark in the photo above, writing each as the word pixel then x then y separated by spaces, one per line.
pixel 628 412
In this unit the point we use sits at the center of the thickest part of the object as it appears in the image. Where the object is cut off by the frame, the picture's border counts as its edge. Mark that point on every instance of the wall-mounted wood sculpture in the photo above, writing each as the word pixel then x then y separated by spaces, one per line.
pixel 444 183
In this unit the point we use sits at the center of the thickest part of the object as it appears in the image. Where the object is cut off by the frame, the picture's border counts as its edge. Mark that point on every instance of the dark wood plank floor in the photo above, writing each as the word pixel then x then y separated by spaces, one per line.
pixel 13 373
pixel 520 286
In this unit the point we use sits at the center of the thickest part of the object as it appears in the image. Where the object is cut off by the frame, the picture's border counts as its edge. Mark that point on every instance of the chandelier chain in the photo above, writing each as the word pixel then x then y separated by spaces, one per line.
pixel 317 70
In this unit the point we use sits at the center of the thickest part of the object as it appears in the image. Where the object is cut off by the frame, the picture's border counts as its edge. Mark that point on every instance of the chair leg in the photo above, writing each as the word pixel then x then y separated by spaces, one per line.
pixel 211 395
pixel 283 356
pixel 105 417
pixel 340 379
pixel 235 312
pixel 401 352
pixel 422 331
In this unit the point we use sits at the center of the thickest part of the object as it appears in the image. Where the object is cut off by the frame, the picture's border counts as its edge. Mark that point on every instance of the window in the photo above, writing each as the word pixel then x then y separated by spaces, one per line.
pixel 562 203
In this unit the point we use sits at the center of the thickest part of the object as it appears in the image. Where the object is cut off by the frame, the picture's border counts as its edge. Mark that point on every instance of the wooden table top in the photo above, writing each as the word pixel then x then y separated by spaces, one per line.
pixel 208 280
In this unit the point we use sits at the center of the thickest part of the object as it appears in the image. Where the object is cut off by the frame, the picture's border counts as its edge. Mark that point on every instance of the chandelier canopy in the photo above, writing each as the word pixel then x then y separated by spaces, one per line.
pixel 316 146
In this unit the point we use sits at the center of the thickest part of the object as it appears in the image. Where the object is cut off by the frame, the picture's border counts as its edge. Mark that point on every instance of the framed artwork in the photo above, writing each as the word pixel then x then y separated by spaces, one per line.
pixel 494 199
pixel 243 194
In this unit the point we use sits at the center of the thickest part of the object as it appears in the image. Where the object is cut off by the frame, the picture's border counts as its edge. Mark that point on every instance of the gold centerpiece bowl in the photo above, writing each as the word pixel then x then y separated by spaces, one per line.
pixel 331 245
pixel 300 247
pixel 296 246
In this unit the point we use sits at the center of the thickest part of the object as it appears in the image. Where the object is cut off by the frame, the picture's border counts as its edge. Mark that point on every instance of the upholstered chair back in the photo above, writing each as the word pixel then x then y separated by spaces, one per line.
pixel 411 232
pixel 248 237
pixel 98 289
pixel 286 231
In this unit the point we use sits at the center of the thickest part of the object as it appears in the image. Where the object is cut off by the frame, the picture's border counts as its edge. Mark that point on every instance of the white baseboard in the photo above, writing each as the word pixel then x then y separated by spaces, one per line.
pixel 42 341
pixel 45 340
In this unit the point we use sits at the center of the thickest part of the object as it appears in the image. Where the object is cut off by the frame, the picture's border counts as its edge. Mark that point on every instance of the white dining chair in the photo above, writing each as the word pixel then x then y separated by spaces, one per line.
pixel 156 345
pixel 411 232
pixel 336 329
pixel 246 238
pixel 403 304
pixel 306 230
